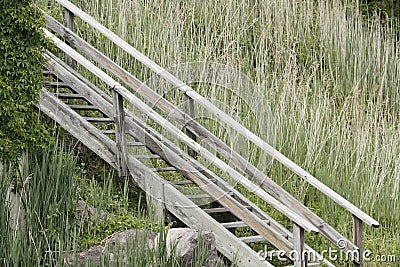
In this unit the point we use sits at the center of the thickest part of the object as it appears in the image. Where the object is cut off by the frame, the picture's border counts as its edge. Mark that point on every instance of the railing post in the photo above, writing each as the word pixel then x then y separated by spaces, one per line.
pixel 298 246
pixel 119 121
pixel 357 239
pixel 69 18
pixel 189 109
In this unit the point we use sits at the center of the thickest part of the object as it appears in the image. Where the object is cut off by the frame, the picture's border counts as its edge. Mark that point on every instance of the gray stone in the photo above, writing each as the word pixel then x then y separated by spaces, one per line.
pixel 186 242
pixel 113 244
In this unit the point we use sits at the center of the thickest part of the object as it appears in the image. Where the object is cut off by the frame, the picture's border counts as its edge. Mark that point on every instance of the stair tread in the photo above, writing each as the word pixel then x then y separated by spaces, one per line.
pixel 108 131
pixel 56 84
pixel 163 169
pixel 252 239
pixel 238 224
pixel 150 156
pixel 83 107
pixel 67 95
pixel 205 195
pixel 134 144
pixel 98 119
pixel 220 210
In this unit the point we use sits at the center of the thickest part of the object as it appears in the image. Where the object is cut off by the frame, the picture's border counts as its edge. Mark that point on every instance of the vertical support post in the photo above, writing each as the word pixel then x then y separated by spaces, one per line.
pixel 357 240
pixel 189 109
pixel 69 18
pixel 155 199
pixel 119 121
pixel 298 246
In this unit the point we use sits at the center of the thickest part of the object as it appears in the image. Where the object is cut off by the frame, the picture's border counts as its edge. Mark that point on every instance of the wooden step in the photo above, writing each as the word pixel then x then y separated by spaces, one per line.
pixel 98 119
pixel 201 196
pixel 163 169
pixel 83 107
pixel 48 73
pixel 187 182
pixel 108 131
pixel 133 144
pixel 252 239
pixel 68 96
pixel 150 156
pixel 220 210
pixel 181 182
pixel 238 224
pixel 56 84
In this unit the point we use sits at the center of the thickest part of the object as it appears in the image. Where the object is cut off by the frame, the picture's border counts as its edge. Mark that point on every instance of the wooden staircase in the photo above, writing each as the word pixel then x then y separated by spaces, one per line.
pixel 193 193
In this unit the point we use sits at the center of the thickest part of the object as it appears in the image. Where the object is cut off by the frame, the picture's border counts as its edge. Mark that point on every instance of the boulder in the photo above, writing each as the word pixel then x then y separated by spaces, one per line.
pixel 186 242
pixel 115 243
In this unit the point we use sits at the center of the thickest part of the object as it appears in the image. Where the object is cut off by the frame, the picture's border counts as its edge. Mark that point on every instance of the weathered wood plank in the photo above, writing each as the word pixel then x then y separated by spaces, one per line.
pixel 83 107
pixel 189 108
pixel 98 119
pixel 298 246
pixel 55 84
pixel 69 20
pixel 238 224
pixel 252 239
pixel 163 169
pixel 68 96
pixel 358 240
pixel 119 121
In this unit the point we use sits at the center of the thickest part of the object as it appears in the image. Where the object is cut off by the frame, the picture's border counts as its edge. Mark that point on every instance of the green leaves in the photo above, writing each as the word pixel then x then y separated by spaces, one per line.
pixel 21 59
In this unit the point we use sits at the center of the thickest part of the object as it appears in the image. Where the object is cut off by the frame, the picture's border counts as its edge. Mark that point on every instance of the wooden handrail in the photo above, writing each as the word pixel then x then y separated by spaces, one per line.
pixel 188 91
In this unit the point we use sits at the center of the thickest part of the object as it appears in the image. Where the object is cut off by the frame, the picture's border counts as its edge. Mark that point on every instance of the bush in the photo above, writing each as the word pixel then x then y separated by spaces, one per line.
pixel 21 55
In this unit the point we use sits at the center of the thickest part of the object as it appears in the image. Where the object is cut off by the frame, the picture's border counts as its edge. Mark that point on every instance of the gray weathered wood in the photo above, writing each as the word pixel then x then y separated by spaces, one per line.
pixel 252 239
pixel 358 240
pixel 298 246
pixel 189 108
pixel 69 18
pixel 119 121
pixel 98 119
pixel 223 116
pixel 68 96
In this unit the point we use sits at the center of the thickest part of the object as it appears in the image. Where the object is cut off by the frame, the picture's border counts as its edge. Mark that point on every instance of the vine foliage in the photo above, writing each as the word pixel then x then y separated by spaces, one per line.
pixel 21 60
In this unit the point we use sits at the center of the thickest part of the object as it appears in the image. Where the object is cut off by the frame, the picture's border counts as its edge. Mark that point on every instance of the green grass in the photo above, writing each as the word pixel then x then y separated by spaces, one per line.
pixel 331 82
pixel 48 226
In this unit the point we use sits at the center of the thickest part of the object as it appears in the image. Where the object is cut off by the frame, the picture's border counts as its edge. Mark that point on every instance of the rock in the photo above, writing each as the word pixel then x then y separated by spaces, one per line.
pixel 186 241
pixel 110 244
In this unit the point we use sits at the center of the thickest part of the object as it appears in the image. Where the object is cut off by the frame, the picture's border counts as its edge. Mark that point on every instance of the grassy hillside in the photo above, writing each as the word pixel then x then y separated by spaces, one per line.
pixel 330 80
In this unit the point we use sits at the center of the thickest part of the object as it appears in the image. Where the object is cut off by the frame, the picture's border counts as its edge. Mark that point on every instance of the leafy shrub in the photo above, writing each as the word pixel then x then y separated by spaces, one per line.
pixel 21 55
